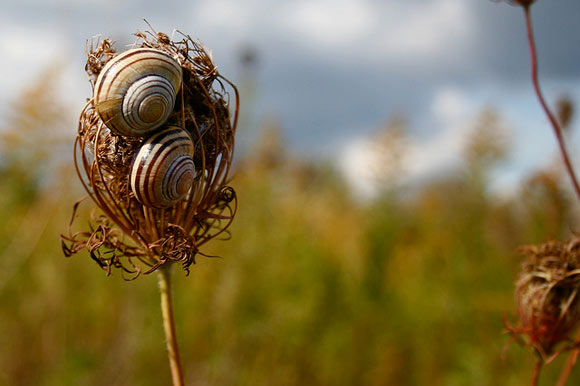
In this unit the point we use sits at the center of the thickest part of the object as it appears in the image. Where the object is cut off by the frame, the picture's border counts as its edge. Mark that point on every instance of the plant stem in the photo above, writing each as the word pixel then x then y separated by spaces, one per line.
pixel 547 111
pixel 536 374
pixel 558 132
pixel 169 325
pixel 570 362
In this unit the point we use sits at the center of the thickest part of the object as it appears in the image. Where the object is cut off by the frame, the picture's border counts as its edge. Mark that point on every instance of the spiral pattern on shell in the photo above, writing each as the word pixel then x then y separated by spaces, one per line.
pixel 136 91
pixel 163 170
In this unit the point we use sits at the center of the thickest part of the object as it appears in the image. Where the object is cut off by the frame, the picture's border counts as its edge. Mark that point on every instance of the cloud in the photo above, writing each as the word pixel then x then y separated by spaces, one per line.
pixel 356 164
pixel 367 30
pixel 25 51
pixel 329 69
pixel 230 16
pixel 452 113
pixel 425 30
pixel 330 23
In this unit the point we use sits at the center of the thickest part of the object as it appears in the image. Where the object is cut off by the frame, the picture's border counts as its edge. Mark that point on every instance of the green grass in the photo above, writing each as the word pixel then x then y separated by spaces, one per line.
pixel 311 289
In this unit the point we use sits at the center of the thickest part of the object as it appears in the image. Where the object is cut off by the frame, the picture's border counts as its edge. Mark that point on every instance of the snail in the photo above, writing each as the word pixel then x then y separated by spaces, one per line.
pixel 163 171
pixel 135 91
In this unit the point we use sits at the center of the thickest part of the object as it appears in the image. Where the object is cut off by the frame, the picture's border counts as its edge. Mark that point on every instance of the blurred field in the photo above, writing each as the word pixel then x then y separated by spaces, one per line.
pixel 314 287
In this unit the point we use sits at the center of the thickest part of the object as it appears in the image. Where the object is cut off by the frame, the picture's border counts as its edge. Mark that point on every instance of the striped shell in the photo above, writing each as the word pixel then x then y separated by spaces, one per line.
pixel 163 170
pixel 135 91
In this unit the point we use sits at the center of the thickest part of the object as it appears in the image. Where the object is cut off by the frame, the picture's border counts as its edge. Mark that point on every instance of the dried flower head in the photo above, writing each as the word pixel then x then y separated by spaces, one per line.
pixel 546 296
pixel 523 3
pixel 125 233
pixel 565 111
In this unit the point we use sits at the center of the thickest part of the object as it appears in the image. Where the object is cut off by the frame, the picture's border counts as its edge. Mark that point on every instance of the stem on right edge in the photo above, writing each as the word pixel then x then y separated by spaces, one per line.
pixel 547 111
pixel 571 361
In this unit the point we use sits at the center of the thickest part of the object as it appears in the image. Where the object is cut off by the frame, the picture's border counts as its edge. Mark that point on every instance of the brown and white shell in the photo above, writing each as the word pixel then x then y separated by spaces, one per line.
pixel 163 170
pixel 135 91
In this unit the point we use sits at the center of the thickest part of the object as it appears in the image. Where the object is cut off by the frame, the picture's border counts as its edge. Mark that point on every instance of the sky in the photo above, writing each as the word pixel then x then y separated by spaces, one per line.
pixel 333 72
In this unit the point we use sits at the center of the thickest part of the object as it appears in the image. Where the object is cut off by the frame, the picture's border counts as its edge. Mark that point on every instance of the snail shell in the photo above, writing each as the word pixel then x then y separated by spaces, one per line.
pixel 163 170
pixel 135 91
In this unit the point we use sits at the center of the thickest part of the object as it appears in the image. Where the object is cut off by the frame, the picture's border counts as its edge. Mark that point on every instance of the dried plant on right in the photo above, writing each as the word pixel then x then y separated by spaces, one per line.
pixel 546 294
pixel 547 299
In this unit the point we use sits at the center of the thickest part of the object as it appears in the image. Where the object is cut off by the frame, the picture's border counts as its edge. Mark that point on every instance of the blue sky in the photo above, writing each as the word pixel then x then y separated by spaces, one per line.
pixel 331 72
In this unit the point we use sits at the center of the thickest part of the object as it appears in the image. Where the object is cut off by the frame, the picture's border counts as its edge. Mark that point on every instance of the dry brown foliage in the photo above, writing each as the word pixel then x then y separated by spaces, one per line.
pixel 124 233
pixel 546 297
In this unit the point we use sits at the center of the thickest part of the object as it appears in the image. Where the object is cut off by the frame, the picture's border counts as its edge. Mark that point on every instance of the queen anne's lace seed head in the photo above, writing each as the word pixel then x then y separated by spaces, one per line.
pixel 130 233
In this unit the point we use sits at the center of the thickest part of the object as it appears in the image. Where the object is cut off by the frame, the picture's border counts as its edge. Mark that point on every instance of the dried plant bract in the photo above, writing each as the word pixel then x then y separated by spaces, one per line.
pixel 125 234
pixel 547 298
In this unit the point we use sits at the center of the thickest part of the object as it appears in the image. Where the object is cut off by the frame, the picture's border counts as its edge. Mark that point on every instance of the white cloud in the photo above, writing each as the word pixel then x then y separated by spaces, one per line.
pixel 28 53
pixel 230 15
pixel 336 23
pixel 451 115
pixel 369 31
pixel 450 105
pixel 25 52
pixel 356 164
pixel 428 29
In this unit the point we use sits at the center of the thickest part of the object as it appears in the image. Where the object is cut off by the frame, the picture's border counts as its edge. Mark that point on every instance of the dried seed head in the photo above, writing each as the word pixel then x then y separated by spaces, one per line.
pixel 127 234
pixel 546 295
pixel 565 111
pixel 523 3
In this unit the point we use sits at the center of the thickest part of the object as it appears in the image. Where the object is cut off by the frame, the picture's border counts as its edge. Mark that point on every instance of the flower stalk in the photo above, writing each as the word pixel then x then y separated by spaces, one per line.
pixel 573 356
pixel 553 121
pixel 536 373
pixel 169 325
pixel 132 232
pixel 570 362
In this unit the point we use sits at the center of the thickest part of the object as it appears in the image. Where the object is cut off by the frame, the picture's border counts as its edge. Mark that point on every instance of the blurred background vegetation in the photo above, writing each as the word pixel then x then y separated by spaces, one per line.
pixel 315 287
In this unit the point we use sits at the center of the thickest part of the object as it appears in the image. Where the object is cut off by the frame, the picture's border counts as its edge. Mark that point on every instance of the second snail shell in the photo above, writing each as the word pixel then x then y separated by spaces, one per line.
pixel 135 91
pixel 163 170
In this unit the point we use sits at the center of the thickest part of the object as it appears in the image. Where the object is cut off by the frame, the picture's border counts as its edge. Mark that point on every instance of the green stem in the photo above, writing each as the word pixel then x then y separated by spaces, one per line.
pixel 169 326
